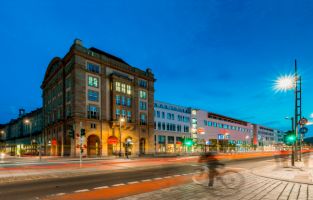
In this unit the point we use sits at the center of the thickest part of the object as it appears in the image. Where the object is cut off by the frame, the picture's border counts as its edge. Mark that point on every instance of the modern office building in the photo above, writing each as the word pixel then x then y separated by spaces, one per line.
pixel 91 92
pixel 267 138
pixel 21 135
pixel 220 133
pixel 172 126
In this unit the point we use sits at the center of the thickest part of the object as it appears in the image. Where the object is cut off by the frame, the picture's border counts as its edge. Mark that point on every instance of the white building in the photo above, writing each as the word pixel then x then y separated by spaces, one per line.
pixel 172 125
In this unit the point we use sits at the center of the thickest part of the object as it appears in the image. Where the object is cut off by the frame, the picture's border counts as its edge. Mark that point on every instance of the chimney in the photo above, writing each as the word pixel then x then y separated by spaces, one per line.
pixel 21 112
pixel 78 42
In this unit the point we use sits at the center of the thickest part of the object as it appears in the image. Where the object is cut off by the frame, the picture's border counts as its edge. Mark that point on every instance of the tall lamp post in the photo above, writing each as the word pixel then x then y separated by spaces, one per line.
pixel 247 137
pixel 292 82
pixel 121 120
pixel 28 123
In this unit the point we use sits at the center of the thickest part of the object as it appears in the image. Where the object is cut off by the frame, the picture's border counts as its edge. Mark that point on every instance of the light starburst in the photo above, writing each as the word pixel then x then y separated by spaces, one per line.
pixel 284 83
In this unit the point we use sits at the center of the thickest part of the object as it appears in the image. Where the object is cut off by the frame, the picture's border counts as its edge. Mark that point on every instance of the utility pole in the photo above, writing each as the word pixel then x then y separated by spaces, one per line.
pixel 298 112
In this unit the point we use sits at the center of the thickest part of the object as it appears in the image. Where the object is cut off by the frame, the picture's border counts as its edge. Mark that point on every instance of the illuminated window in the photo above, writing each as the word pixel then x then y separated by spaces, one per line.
pixel 118 100
pixel 118 86
pixel 123 88
pixel 143 119
pixel 93 81
pixel 143 105
pixel 142 94
pixel 129 89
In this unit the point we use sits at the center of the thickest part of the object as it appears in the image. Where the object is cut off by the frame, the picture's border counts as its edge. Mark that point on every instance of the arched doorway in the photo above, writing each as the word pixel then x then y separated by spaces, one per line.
pixel 142 145
pixel 93 145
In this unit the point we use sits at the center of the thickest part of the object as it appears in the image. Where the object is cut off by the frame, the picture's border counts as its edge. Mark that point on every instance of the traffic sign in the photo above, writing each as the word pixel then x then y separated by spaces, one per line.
pixel 303 121
pixel 304 130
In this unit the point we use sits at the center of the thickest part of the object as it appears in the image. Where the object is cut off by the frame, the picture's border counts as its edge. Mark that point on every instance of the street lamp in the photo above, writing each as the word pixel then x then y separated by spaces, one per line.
pixel 292 82
pixel 28 122
pixel 247 137
pixel 121 120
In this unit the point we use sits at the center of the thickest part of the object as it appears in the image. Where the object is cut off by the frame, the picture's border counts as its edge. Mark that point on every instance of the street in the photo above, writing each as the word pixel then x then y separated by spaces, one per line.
pixel 44 188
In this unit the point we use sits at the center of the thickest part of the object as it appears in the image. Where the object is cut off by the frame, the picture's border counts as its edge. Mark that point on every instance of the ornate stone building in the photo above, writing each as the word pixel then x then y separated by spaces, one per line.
pixel 92 91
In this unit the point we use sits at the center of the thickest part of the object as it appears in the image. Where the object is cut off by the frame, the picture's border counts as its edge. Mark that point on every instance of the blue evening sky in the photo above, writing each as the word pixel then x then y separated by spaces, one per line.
pixel 218 55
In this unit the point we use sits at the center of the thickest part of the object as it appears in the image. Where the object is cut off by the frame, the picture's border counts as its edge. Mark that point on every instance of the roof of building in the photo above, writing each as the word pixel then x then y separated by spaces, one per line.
pixel 26 115
pixel 225 118
pixel 107 55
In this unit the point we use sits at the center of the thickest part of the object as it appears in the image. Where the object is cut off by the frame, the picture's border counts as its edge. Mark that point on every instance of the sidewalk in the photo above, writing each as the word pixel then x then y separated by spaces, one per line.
pixel 276 181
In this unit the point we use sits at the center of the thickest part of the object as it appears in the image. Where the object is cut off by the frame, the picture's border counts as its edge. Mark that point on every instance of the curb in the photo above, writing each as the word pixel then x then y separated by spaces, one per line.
pixel 281 179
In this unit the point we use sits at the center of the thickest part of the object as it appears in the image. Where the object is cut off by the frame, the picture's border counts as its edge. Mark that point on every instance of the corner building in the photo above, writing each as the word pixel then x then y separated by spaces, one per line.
pixel 101 93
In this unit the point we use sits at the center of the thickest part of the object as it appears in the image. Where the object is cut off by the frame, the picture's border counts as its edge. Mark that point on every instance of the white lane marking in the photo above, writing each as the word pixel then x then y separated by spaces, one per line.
pixel 132 182
pixel 184 174
pixel 168 177
pixel 146 180
pixel 158 178
pixel 177 175
pixel 60 194
pixel 120 184
pixel 83 190
pixel 101 187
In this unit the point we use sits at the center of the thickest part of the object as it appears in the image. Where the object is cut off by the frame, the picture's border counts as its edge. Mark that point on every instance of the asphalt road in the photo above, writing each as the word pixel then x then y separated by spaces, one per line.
pixel 38 189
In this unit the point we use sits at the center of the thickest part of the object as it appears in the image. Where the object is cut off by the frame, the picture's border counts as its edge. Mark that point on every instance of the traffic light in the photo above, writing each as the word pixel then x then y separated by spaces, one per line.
pixel 188 142
pixel 290 138
pixel 82 132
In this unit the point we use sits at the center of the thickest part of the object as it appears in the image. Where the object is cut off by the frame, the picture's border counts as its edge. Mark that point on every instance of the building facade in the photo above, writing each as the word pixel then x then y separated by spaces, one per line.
pixel 172 126
pixel 220 133
pixel 91 92
pixel 23 134
pixel 267 138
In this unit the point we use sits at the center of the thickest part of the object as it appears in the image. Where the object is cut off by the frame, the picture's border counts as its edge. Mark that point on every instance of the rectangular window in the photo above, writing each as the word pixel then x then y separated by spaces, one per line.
pixel 158 114
pixel 142 83
pixel 163 115
pixel 123 88
pixel 93 112
pixel 93 67
pixel 118 100
pixel 209 123
pixel 205 123
pixel 117 113
pixel 142 105
pixel 168 115
pixel 129 89
pixel 129 102
pixel 93 81
pixel 142 94
pixel 93 95
pixel 143 120
pixel 161 139
pixel 123 113
pixel 123 101
pixel 159 125
pixel 118 86
pixel 129 116
pixel 170 139
pixel 93 125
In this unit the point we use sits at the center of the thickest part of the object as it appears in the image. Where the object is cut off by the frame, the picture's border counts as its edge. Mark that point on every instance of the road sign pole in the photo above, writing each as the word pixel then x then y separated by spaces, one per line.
pixel 80 146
